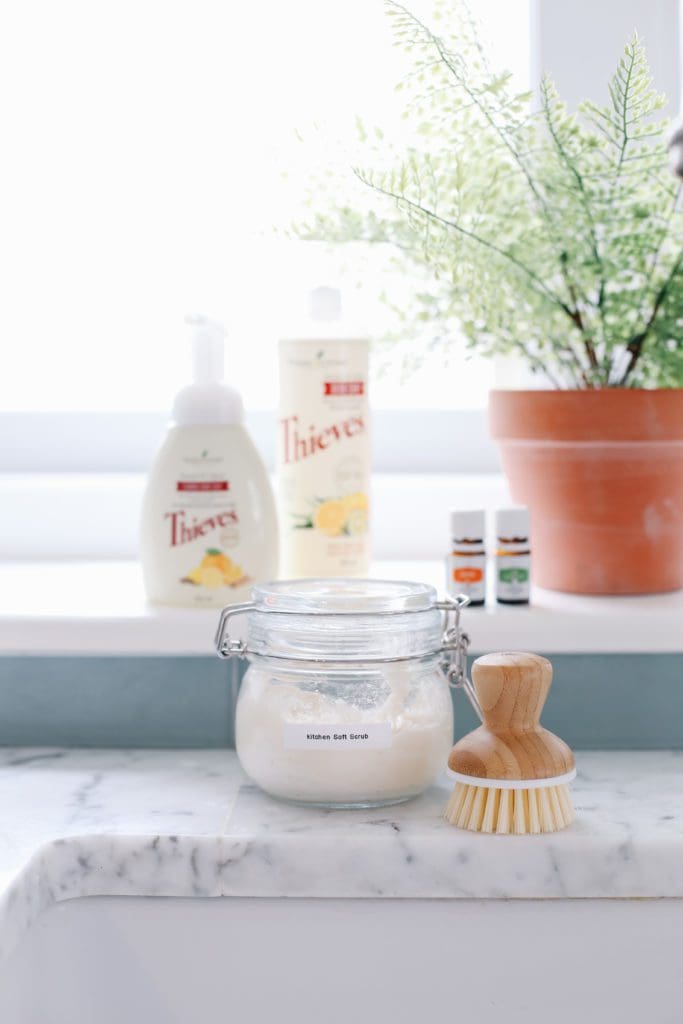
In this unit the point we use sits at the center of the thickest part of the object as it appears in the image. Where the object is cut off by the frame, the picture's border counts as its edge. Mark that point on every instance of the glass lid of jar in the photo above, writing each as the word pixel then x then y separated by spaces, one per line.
pixel 343 596
pixel 343 620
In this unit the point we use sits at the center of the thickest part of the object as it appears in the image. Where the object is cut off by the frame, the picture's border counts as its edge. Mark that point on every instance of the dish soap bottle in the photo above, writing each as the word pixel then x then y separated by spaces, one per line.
pixel 324 447
pixel 209 527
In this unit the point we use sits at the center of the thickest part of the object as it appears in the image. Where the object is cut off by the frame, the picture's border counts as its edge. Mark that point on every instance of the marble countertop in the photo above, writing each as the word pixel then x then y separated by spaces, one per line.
pixel 81 823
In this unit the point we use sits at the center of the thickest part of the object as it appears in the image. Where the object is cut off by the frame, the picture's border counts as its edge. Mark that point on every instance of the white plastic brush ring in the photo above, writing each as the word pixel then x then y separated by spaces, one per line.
pixel 472 780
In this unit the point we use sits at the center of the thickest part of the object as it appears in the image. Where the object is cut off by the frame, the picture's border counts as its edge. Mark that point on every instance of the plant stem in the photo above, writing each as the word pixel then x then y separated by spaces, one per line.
pixel 663 234
pixel 578 178
pixel 542 288
pixel 636 344
pixel 587 343
pixel 398 197
pixel 624 120
pixel 447 61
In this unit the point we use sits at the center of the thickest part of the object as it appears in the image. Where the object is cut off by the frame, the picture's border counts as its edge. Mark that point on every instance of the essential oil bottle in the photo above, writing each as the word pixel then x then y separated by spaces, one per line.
pixel 467 561
pixel 513 556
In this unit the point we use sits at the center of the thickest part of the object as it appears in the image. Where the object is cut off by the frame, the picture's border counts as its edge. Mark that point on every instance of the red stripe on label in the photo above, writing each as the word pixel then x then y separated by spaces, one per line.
pixel 344 387
pixel 203 485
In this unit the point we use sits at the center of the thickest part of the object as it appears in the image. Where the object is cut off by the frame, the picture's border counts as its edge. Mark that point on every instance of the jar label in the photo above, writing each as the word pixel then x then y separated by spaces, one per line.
pixel 313 736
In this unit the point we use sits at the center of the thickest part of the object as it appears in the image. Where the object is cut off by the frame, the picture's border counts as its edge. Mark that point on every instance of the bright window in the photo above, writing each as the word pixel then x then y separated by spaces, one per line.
pixel 145 143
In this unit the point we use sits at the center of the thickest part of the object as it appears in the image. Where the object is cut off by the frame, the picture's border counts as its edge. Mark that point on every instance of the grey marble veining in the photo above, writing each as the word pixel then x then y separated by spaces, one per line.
pixel 176 823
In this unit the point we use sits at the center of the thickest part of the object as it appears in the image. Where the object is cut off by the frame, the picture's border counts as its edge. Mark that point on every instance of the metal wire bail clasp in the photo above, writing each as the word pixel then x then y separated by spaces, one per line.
pixel 455 645
pixel 226 647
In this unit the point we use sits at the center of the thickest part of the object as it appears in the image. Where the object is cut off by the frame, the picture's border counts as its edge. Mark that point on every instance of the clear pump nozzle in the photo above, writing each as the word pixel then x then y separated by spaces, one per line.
pixel 208 349
pixel 207 400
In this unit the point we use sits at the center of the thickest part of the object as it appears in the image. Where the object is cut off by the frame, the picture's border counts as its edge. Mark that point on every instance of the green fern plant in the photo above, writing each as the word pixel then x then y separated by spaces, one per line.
pixel 553 235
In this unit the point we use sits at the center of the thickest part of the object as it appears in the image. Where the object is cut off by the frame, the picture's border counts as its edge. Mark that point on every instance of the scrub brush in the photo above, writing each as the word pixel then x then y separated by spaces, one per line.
pixel 511 775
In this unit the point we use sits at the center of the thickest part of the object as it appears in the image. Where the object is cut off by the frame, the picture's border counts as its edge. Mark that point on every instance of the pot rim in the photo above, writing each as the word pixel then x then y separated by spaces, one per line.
pixel 585 391
pixel 607 414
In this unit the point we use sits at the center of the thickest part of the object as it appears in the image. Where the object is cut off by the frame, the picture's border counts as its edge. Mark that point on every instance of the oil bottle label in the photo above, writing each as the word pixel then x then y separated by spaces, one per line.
pixel 468 576
pixel 513 577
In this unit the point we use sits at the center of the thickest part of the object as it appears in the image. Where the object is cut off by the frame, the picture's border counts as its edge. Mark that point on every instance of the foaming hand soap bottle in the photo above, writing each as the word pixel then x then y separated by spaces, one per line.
pixel 209 528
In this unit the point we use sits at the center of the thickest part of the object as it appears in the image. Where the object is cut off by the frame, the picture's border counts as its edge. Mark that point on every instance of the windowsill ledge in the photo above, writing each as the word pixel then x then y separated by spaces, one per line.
pixel 95 516
pixel 99 608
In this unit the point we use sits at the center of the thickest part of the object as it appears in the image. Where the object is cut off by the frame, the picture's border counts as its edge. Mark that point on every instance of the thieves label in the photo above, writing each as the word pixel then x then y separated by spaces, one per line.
pixel 371 736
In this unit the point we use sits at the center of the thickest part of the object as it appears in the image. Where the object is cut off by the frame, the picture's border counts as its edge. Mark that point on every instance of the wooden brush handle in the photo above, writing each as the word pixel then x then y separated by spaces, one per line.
pixel 511 689
pixel 511 743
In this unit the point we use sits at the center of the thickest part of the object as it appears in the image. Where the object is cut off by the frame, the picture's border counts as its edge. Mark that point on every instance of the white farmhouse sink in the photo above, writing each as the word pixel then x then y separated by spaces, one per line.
pixel 159 887
pixel 109 960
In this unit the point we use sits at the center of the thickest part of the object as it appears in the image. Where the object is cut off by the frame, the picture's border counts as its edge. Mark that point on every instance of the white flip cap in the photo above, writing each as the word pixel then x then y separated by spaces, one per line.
pixel 512 523
pixel 468 524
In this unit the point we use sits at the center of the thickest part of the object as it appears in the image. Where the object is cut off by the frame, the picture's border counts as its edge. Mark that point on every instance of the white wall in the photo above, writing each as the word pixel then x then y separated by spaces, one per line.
pixel 579 43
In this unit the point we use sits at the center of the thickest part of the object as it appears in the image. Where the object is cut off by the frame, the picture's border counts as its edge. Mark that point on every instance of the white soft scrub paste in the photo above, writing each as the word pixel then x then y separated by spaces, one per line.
pixel 398 724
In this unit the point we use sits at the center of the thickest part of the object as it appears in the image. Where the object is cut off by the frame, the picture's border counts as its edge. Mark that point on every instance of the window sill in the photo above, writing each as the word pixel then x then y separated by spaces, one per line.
pixel 96 516
pixel 90 608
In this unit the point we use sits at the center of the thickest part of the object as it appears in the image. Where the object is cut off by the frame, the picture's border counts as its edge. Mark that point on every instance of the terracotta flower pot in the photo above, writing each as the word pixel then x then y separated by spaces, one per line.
pixel 602 474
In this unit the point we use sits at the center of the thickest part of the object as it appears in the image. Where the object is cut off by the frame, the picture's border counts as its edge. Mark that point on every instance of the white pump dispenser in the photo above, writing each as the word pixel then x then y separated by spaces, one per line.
pixel 209 529
pixel 207 399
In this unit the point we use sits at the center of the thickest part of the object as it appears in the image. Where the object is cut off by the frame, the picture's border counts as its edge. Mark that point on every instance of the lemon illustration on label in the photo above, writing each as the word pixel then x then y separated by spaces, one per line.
pixel 337 517
pixel 216 569
pixel 357 521
pixel 356 502
pixel 329 517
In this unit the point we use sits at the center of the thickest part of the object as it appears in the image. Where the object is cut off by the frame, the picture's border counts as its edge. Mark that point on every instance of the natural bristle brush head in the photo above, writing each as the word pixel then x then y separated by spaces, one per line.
pixel 511 774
